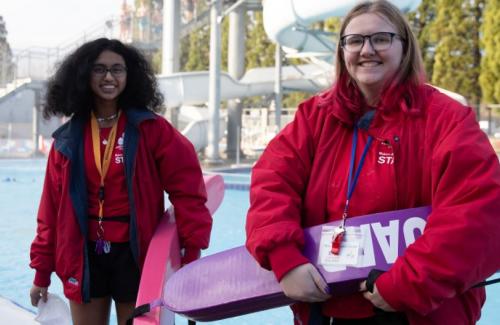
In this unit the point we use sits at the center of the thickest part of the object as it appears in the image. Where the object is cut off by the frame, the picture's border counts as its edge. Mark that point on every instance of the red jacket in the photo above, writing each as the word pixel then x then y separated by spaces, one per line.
pixel 157 159
pixel 439 157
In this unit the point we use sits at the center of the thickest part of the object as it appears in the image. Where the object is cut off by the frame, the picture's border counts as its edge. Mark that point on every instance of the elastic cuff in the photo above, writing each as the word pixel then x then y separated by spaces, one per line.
pixel 190 254
pixel 389 292
pixel 285 258
pixel 42 279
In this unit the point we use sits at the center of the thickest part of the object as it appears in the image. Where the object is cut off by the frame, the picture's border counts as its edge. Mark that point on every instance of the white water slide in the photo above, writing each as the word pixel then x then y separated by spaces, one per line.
pixel 191 88
pixel 291 30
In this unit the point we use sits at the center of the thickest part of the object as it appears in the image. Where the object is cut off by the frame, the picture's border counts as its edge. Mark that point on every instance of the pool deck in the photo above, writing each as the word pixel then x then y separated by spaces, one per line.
pixel 14 314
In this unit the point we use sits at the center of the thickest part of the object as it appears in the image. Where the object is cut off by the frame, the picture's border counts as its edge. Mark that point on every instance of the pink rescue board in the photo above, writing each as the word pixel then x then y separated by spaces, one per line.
pixel 231 283
pixel 163 257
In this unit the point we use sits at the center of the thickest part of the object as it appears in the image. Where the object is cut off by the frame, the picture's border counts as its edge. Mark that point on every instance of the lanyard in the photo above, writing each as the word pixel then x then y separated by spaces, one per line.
pixel 102 168
pixel 352 181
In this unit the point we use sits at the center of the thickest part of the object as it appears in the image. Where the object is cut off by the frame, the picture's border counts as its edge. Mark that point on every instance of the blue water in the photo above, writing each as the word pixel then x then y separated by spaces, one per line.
pixel 21 184
pixel 235 179
pixel 20 187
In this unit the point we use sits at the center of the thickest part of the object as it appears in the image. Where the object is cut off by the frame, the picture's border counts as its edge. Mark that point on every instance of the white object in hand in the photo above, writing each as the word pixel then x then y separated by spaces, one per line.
pixel 53 312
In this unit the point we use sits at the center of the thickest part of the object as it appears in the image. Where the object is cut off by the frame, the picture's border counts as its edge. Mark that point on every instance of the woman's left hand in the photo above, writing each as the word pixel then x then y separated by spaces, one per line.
pixel 375 298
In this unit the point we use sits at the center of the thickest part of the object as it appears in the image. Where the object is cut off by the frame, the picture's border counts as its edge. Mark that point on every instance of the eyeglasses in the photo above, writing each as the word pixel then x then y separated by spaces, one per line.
pixel 117 70
pixel 379 41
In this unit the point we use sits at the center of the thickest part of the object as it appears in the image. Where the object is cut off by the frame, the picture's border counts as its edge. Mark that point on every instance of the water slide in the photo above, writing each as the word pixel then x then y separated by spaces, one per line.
pixel 292 31
pixel 191 88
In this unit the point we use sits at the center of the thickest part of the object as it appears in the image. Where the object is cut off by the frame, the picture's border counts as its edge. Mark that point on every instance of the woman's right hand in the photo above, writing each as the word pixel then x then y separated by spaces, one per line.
pixel 36 293
pixel 305 283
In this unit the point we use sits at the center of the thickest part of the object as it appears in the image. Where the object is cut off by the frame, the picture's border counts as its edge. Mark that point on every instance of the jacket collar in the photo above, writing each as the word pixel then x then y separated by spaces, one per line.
pixel 137 116
pixel 348 117
pixel 341 113
pixel 69 134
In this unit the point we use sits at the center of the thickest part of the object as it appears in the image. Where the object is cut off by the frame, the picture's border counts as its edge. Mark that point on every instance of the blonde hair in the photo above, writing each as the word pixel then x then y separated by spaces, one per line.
pixel 412 68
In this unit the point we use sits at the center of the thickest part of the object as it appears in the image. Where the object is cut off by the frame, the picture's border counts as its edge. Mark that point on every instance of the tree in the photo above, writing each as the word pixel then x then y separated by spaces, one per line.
pixel 7 66
pixel 422 22
pixel 195 49
pixel 260 50
pixel 198 54
pixel 260 53
pixel 224 43
pixel 457 57
pixel 156 61
pixel 184 50
pixel 332 25
pixel 490 63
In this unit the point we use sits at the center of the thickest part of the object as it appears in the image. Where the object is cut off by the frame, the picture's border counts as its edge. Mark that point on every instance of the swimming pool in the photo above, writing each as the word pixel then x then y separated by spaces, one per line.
pixel 234 178
pixel 20 187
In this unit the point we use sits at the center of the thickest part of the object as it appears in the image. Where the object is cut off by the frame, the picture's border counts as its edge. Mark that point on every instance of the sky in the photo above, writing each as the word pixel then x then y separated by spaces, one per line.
pixel 50 23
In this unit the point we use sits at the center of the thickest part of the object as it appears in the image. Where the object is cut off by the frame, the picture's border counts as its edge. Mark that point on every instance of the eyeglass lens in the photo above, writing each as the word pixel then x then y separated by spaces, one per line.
pixel 379 41
pixel 116 69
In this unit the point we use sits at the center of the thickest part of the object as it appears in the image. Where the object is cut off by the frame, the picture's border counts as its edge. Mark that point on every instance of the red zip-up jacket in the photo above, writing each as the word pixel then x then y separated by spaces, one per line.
pixel 157 159
pixel 438 157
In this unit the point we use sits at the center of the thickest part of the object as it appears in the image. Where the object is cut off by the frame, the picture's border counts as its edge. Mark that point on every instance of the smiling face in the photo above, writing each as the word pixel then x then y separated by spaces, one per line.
pixel 369 68
pixel 108 85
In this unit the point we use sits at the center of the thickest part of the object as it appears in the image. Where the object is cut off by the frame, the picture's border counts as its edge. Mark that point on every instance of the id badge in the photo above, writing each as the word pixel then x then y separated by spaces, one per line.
pixel 350 247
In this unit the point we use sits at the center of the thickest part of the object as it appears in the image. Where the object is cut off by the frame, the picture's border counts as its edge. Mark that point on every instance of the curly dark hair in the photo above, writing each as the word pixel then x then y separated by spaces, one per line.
pixel 69 92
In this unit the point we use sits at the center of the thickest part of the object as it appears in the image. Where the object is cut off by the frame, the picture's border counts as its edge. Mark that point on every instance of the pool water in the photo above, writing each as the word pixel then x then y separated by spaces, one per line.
pixel 21 184
pixel 20 187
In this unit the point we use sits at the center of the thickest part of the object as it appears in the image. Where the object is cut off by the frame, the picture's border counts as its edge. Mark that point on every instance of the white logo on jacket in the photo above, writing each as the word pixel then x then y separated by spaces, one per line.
pixel 385 158
pixel 119 150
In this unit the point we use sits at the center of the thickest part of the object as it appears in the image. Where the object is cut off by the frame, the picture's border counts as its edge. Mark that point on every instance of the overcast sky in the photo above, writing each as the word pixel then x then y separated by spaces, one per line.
pixel 49 23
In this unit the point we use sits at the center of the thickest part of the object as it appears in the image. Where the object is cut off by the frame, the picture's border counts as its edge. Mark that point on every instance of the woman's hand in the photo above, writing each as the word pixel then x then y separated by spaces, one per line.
pixel 375 298
pixel 36 293
pixel 189 255
pixel 305 283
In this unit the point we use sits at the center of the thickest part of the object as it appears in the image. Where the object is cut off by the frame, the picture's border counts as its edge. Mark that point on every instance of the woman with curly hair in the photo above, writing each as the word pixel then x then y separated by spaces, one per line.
pixel 107 172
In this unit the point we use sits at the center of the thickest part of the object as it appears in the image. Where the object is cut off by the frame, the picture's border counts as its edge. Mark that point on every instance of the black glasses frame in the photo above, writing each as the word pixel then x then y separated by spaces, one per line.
pixel 116 70
pixel 369 37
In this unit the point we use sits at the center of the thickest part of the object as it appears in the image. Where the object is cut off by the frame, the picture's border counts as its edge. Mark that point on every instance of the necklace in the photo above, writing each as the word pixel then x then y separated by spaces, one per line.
pixel 106 119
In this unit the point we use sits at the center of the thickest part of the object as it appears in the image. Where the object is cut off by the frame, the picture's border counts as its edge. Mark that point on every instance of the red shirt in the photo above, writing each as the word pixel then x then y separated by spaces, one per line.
pixel 116 202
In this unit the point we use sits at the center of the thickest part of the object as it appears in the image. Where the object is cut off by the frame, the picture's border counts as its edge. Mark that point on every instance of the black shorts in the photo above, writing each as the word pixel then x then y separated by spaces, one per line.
pixel 114 274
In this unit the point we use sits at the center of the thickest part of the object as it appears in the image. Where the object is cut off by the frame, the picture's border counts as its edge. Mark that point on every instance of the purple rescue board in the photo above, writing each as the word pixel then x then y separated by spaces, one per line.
pixel 231 283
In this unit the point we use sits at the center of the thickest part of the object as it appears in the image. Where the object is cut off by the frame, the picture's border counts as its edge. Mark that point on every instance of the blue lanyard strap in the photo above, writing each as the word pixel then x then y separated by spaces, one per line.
pixel 353 181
